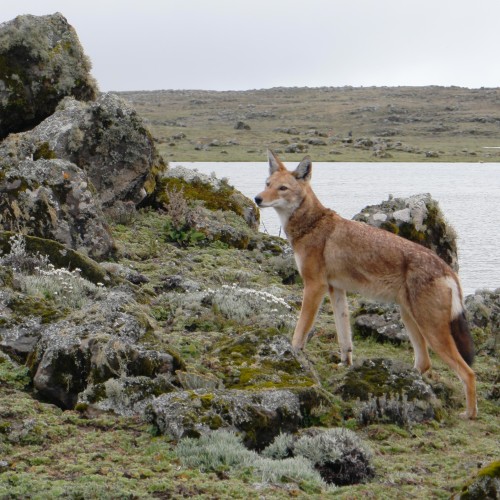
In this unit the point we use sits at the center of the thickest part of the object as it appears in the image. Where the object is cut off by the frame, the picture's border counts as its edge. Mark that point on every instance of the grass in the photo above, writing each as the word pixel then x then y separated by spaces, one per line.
pixel 49 453
pixel 406 123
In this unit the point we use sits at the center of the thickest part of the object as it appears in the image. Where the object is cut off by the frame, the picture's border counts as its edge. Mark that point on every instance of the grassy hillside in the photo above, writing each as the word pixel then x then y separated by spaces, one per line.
pixel 330 124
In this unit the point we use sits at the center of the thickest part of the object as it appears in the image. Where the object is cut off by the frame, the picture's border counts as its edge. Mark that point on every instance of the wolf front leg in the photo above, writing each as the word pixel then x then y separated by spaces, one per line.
pixel 341 312
pixel 313 296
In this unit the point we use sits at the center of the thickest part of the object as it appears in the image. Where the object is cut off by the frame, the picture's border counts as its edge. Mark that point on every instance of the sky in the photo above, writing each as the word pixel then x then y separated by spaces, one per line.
pixel 255 44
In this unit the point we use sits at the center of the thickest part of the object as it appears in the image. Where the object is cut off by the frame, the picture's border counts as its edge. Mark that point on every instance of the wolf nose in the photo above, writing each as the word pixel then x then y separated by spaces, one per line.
pixel 258 200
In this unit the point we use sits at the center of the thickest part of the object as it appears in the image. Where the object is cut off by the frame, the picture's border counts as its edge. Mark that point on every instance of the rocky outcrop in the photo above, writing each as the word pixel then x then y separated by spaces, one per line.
pixel 260 415
pixel 57 179
pixel 41 61
pixel 417 218
pixel 53 199
pixel 105 138
pixel 84 351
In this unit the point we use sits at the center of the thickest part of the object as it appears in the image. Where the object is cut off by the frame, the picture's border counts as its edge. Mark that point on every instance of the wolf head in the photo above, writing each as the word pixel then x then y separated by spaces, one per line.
pixel 285 190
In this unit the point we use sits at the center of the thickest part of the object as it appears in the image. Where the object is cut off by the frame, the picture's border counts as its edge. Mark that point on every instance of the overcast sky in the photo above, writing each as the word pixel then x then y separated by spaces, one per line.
pixel 248 44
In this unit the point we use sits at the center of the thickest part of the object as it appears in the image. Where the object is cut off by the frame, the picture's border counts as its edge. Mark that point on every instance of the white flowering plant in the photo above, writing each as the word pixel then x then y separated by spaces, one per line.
pixel 36 276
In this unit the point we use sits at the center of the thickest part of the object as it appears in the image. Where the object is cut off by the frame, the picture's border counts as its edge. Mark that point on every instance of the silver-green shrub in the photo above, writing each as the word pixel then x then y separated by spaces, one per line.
pixel 222 450
pixel 338 454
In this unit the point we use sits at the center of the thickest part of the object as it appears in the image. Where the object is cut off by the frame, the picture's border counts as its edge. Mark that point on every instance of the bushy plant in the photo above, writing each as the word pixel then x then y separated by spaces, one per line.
pixel 281 447
pixel 224 451
pixel 245 305
pixel 182 219
pixel 338 454
pixel 37 277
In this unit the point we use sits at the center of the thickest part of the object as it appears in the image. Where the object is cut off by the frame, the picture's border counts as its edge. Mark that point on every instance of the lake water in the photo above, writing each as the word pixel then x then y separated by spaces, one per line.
pixel 468 194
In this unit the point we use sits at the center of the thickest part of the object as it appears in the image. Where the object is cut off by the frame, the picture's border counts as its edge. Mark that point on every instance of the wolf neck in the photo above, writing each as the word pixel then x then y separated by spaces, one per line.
pixel 301 219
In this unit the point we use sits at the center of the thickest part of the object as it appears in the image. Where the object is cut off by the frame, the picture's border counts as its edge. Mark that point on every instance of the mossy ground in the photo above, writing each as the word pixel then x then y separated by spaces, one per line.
pixel 50 453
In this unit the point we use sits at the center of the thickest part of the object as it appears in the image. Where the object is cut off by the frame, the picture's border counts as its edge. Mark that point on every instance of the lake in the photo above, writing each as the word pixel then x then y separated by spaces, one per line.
pixel 468 194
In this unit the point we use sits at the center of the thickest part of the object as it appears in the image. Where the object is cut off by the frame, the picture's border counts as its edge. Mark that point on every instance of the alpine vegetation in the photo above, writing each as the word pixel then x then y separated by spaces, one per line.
pixel 37 277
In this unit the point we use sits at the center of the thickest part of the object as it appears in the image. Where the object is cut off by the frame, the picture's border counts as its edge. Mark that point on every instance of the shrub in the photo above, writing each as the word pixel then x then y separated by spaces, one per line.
pixel 338 454
pixel 224 451
pixel 182 220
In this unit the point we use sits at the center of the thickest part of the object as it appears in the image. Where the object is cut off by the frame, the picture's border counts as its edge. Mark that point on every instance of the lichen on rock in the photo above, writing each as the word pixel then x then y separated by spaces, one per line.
pixel 418 219
pixel 41 61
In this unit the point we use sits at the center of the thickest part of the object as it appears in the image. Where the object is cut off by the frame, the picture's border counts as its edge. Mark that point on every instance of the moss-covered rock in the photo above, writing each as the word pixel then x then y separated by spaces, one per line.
pixel 216 194
pixel 418 219
pixel 259 415
pixel 389 391
pixel 61 257
pixel 41 61
pixel 485 485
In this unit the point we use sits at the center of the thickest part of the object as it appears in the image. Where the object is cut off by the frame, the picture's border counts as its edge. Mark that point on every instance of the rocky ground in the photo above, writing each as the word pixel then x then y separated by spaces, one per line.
pixel 145 332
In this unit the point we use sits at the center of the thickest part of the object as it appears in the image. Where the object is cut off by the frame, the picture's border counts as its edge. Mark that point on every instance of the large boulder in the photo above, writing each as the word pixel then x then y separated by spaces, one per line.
pixel 417 218
pixel 41 61
pixel 106 138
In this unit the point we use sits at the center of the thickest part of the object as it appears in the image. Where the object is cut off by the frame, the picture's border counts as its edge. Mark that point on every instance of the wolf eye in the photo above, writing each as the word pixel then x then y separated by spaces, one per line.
pixel 282 188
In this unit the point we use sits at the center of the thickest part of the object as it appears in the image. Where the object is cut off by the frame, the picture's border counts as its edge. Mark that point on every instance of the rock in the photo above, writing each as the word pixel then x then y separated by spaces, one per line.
pixel 57 254
pixel 485 485
pixel 90 346
pixel 41 61
pixel 417 218
pixel 215 193
pixel 240 125
pixel 259 415
pixel 381 322
pixel 53 199
pixel 105 138
pixel 483 308
pixel 390 392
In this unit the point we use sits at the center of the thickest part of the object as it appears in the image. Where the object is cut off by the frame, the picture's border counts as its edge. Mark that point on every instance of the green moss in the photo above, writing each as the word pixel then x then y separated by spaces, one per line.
pixel 214 199
pixel 26 306
pixel 390 226
pixel 44 152
pixel 486 484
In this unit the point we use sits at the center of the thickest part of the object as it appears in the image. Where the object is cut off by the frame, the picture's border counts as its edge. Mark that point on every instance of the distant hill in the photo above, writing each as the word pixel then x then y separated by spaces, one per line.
pixel 330 124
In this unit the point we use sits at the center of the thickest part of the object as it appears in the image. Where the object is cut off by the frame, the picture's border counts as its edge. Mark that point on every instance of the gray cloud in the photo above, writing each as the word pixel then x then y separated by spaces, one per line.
pixel 245 44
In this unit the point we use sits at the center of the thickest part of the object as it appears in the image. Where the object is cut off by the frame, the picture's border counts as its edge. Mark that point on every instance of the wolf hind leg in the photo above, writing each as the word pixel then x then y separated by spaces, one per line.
pixel 422 359
pixel 437 332
pixel 340 307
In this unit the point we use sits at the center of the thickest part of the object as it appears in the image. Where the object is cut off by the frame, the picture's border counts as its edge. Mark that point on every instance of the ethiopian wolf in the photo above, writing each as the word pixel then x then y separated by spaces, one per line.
pixel 335 255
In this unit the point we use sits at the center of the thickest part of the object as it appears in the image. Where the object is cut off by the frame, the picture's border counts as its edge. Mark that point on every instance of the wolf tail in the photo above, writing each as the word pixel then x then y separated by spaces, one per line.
pixel 463 339
pixel 458 324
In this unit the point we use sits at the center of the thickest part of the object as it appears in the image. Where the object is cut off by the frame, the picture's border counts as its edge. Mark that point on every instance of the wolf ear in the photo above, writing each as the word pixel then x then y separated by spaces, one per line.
pixel 274 163
pixel 304 170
